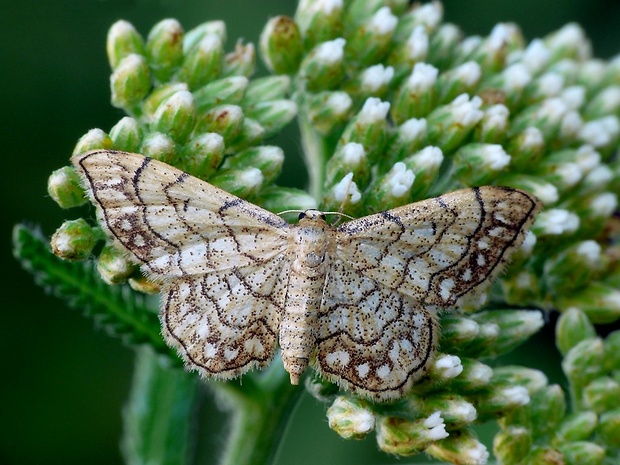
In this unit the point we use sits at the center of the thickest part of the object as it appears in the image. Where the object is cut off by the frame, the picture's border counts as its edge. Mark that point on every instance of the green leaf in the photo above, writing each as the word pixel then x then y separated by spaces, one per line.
pixel 117 309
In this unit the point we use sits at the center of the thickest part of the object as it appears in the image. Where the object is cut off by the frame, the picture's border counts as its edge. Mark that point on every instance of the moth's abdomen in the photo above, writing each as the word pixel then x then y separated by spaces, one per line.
pixel 312 240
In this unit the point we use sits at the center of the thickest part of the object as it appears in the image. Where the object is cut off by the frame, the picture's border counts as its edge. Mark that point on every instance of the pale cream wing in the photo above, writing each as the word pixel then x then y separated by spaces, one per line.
pixel 370 339
pixel 438 250
pixel 174 224
pixel 226 322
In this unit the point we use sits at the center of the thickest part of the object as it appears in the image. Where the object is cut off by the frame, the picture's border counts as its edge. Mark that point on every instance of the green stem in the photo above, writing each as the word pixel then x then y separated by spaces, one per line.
pixel 315 149
pixel 260 412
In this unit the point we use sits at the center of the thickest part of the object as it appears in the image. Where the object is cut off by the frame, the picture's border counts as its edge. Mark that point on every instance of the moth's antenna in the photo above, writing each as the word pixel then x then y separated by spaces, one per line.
pixel 284 212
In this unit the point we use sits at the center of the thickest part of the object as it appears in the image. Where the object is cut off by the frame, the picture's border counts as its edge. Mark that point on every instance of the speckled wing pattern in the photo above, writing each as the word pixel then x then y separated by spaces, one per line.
pixel 377 331
pixel 224 266
pixel 218 257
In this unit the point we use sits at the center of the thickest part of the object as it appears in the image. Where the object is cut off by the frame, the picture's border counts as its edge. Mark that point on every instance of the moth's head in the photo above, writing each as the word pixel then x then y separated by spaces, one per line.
pixel 311 215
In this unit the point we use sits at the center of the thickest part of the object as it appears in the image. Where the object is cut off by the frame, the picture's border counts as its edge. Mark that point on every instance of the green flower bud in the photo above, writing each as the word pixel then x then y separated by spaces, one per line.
pixel 479 164
pixel 403 437
pixel 444 44
pixel 370 42
pixel 74 240
pixel 392 189
pixel 350 418
pixel 240 62
pixel 601 394
pixel 546 192
pixel 176 116
pixel 164 47
pixel 510 83
pixel 349 158
pixel 600 302
pixel 591 75
pixel 194 36
pixel 427 16
pixel 416 96
pixel 609 428
pixel 226 120
pixel 322 68
pixel 544 455
pixel 281 45
pixel 328 111
pixel 95 139
pixel 457 331
pixel 605 102
pixel 408 51
pixel 250 133
pixel 555 222
pixel 455 410
pixel 442 370
pixel 572 327
pixel 319 21
pixel 409 138
pixel 159 95
pixel 279 199
pixel 569 41
pixel 486 337
pixel 369 128
pixel 226 90
pixel 266 89
pixel 531 379
pixel 463 79
pixel 594 212
pixel 612 351
pixel 130 82
pixel 460 447
pixel 548 408
pixel 160 147
pixel 244 183
pixel 450 124
pixel 202 155
pixel 203 62
pixel 546 85
pixel 123 40
pixel 582 453
pixel 343 196
pixel 370 82
pixel 143 285
pixel 359 12
pixel 584 362
pixel 475 375
pixel 526 148
pixel 273 115
pixel 574 267
pixel 547 116
pixel 65 187
pixel 493 126
pixel 602 134
pixel 492 51
pixel 267 158
pixel 577 426
pixel 126 135
pixel 512 444
pixel 516 327
pixel 113 265
pixel 499 399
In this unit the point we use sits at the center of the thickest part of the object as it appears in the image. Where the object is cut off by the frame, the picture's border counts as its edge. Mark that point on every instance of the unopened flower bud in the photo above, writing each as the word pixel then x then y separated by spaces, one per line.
pixel 74 240
pixel 123 40
pixel 202 155
pixel 572 327
pixel 176 116
pixel 65 187
pixel 350 418
pixel 226 90
pixel 273 115
pixel 160 147
pixel 244 183
pixel 403 437
pixel 113 266
pixel 130 82
pixel 126 135
pixel 281 45
pixel 164 47
pixel 460 447
pixel 202 62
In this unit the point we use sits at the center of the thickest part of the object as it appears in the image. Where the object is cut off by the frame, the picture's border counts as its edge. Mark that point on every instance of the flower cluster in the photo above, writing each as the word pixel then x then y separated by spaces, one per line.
pixel 394 105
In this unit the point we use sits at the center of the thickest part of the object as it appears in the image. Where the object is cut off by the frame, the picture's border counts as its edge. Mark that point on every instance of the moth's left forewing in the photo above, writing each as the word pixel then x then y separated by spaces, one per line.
pixel 441 249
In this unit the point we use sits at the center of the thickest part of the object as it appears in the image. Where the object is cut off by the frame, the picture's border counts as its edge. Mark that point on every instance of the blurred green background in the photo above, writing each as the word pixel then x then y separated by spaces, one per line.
pixel 64 383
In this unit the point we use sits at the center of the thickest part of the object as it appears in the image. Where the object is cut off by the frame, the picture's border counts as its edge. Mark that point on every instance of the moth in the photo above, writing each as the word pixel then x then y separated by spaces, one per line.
pixel 357 302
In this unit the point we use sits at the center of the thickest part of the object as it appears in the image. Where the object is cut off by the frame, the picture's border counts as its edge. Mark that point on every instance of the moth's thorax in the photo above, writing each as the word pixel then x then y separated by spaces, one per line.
pixel 313 239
